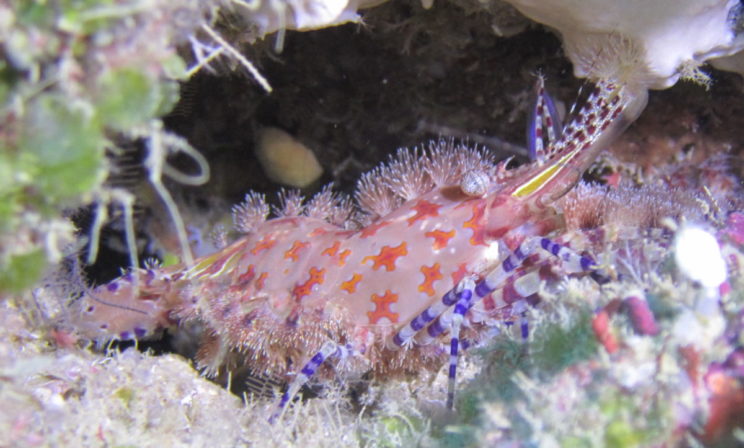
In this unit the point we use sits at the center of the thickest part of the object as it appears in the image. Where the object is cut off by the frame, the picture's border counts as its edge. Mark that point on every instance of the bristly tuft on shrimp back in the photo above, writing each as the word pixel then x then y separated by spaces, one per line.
pixel 411 173
pixel 249 214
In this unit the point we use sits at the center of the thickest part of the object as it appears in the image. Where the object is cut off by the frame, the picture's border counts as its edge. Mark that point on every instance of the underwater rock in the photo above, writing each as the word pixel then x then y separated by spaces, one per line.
pixel 286 160
pixel 650 41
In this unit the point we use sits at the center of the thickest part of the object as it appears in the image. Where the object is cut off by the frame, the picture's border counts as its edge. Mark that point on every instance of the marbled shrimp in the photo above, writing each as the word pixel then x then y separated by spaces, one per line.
pixel 433 243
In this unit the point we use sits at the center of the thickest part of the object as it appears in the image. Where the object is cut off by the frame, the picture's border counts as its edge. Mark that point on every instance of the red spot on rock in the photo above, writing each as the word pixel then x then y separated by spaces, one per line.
pixel 641 316
pixel 603 332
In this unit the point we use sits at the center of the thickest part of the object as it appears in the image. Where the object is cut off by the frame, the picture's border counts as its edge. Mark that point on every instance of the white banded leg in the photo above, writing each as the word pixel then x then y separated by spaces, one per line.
pixel 405 335
pixel 520 286
pixel 328 350
pixel 572 261
pixel 462 307
pixel 435 321
pixel 451 321
pixel 520 309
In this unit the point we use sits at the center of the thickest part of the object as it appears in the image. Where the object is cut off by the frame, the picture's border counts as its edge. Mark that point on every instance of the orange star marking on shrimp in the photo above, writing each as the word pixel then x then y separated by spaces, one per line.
pixel 431 274
pixel 316 278
pixel 333 252
pixel 350 285
pixel 459 273
pixel 441 238
pixel 372 229
pixel 267 242
pixel 261 280
pixel 476 224
pixel 247 275
pixel 317 232
pixel 382 307
pixel 296 247
pixel 387 257
pixel 342 257
pixel 423 209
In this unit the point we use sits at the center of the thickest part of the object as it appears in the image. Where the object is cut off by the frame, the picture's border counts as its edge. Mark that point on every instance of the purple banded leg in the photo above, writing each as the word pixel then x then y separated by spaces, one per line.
pixel 462 307
pixel 572 261
pixel 441 322
pixel 519 308
pixel 499 275
pixel 461 296
pixel 493 281
pixel 328 350
pixel 453 322
pixel 464 296
pixel 544 119
pixel 523 285
pixel 528 284
pixel 405 335
pixel 520 285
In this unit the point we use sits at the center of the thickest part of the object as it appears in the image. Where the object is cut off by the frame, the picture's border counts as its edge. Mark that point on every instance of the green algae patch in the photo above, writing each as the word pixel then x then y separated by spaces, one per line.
pixel 621 434
pixel 125 394
pixel 63 145
pixel 562 344
pixel 21 271
pixel 127 98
